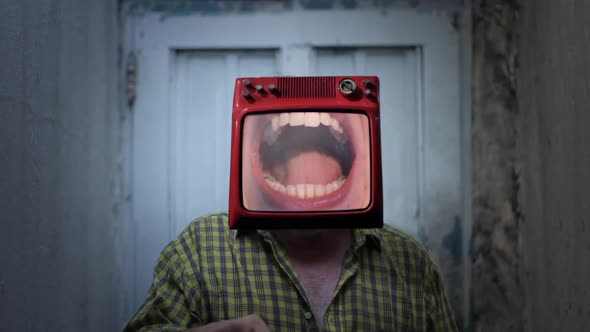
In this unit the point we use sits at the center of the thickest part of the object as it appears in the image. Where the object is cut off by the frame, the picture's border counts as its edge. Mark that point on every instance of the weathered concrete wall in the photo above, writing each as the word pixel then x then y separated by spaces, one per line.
pixel 531 165
pixel 554 94
pixel 496 262
pixel 59 237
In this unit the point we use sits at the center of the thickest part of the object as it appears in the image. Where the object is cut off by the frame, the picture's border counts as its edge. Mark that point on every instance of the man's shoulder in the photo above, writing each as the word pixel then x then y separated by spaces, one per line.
pixel 399 244
pixel 395 236
pixel 209 231
pixel 214 221
pixel 213 226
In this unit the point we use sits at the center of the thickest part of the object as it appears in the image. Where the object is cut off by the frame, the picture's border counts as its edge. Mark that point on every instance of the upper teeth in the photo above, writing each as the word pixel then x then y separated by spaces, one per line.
pixel 307 119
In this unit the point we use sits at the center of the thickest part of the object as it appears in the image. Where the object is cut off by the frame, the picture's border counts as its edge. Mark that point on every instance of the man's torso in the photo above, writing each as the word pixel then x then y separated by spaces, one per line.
pixel 377 289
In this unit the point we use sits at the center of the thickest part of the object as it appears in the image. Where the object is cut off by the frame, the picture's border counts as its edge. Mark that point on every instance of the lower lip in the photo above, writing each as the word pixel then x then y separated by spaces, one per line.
pixel 281 202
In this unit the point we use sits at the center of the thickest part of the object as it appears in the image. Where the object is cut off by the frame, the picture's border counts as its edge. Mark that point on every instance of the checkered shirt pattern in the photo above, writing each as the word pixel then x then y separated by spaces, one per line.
pixel 211 273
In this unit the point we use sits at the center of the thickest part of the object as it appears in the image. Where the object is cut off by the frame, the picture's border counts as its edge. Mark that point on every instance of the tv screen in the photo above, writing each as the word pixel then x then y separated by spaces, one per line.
pixel 306 161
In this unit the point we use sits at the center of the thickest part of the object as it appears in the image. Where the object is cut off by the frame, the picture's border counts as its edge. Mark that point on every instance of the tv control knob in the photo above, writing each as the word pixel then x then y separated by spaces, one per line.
pixel 347 86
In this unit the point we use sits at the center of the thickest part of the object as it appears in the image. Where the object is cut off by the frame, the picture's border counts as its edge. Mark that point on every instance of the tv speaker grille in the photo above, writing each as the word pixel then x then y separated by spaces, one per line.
pixel 307 87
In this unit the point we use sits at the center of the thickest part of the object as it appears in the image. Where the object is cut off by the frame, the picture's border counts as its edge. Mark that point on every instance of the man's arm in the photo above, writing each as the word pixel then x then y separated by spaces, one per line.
pixel 245 324
pixel 173 299
pixel 168 303
pixel 438 311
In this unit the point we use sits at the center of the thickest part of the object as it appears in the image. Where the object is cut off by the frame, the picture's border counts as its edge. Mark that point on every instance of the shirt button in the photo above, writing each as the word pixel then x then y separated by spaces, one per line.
pixel 308 315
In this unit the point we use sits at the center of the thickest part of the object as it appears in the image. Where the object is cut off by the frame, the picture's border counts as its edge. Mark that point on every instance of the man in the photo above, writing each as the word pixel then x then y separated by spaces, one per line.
pixel 212 278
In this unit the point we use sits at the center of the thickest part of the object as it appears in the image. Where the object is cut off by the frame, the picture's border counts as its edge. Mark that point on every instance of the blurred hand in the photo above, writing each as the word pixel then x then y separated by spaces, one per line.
pixel 250 323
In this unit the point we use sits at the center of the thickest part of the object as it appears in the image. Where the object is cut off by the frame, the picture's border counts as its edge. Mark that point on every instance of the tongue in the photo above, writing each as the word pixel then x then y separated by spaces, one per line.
pixel 308 167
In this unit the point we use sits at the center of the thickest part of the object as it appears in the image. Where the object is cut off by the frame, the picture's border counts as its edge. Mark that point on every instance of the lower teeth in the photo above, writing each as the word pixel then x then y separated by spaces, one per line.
pixel 305 190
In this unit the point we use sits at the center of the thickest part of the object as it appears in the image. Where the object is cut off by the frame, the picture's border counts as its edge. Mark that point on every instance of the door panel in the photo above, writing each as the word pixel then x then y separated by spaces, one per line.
pixel 396 68
pixel 204 83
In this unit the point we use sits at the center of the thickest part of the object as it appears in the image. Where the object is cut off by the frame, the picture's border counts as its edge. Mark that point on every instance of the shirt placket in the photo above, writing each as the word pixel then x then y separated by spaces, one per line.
pixel 281 258
pixel 350 268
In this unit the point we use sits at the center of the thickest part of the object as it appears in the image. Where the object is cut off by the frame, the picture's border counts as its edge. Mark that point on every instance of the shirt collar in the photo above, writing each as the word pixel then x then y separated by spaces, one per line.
pixel 369 236
pixel 265 234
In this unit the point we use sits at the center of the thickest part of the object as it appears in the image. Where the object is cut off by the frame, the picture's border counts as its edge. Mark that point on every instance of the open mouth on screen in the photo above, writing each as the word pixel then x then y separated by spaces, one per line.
pixel 306 161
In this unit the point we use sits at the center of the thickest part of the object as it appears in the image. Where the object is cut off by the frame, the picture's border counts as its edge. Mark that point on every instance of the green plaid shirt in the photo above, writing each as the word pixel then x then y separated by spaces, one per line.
pixel 211 273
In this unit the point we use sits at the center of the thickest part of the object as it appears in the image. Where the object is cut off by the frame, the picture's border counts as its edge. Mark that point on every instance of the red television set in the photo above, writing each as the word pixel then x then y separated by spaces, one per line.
pixel 306 153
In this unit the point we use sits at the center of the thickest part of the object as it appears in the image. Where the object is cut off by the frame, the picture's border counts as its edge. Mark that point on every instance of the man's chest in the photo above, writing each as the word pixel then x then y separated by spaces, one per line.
pixel 319 283
pixel 289 299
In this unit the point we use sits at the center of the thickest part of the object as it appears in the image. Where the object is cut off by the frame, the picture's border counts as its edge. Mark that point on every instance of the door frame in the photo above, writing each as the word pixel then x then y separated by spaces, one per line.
pixel 155 41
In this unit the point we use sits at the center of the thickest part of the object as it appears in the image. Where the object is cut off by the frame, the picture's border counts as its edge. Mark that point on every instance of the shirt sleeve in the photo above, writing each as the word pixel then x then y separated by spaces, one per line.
pixel 168 306
pixel 439 314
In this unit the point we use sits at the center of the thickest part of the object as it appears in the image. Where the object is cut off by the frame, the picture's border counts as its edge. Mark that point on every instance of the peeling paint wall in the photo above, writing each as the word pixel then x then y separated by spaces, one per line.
pixel 60 243
pixel 554 99
pixel 497 217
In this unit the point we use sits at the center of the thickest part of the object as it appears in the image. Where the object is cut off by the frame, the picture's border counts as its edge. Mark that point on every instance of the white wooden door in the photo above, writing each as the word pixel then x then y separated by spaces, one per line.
pixel 181 125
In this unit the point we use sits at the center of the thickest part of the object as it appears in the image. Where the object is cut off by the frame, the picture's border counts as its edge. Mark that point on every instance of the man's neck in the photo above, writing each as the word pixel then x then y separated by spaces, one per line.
pixel 315 245
pixel 317 257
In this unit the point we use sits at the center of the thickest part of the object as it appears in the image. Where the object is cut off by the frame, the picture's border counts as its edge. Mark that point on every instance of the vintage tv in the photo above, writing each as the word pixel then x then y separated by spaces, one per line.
pixel 306 153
